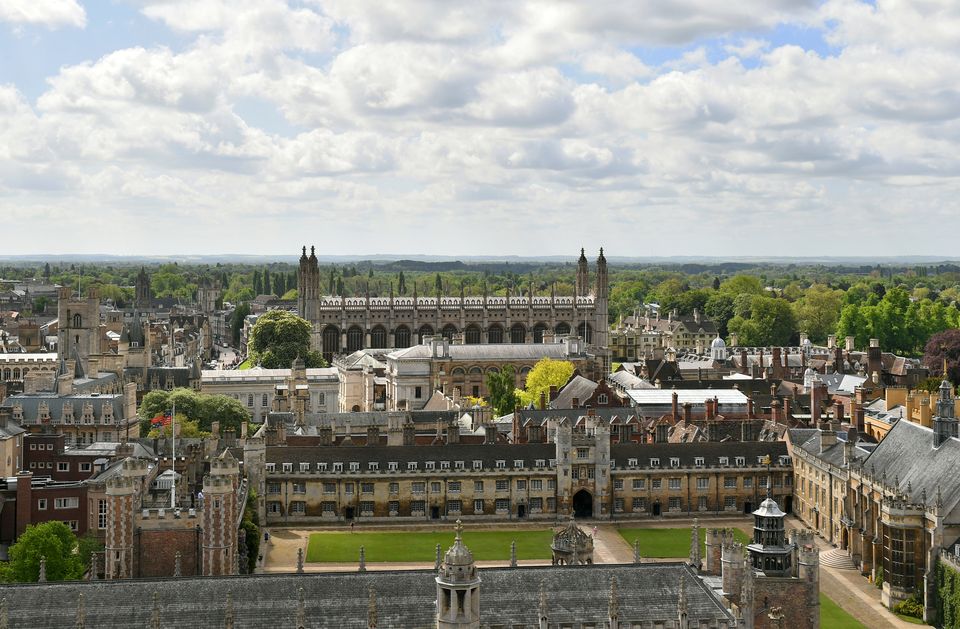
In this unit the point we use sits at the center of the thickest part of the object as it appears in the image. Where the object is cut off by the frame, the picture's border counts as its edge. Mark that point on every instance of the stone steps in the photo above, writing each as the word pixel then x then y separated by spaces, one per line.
pixel 836 558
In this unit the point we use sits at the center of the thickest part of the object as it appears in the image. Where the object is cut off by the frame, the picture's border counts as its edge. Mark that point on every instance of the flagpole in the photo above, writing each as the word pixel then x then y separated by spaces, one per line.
pixel 173 477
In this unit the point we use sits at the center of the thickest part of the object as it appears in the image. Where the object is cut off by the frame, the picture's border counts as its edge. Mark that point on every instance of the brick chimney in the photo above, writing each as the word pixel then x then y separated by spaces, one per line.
pixel 776 364
pixel 675 411
pixel 686 412
pixel 750 411
pixel 743 361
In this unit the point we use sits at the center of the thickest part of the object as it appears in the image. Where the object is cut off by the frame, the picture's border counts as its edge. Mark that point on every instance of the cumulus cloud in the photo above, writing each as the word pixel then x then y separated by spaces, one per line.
pixel 653 126
pixel 49 13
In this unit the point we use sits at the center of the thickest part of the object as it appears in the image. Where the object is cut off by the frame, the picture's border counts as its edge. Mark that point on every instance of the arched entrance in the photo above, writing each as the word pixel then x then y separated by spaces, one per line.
pixel 844 539
pixel 656 508
pixel 582 504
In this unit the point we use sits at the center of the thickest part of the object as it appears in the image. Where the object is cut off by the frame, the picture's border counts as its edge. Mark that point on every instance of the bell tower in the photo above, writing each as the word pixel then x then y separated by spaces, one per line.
pixel 458 588
pixel 583 275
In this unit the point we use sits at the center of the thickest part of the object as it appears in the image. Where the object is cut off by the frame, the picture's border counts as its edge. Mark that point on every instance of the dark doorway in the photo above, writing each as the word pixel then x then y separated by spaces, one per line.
pixel 521 511
pixel 788 504
pixel 748 507
pixel 582 504
pixel 348 513
pixel 434 513
pixel 656 509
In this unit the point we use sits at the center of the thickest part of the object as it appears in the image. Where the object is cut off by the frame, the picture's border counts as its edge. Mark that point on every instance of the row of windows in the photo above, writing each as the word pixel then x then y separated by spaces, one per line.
pixel 59 503
pixel 416 507
pixel 472 335
pixel 436 487
pixel 412 466
pixel 61 466
pixel 738 461
pixel 265 400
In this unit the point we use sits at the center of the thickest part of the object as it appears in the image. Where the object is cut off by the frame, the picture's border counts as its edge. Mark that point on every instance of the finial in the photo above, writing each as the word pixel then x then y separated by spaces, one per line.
pixel 436 563
pixel 363 560
pixel 177 569
pixel 636 551
pixel 155 613
pixel 93 567
pixel 81 613
pixel 613 606
pixel 301 610
pixel 311 250
pixel 372 610
pixel 459 529
pixel 43 570
pixel 513 554
pixel 299 561
pixel 304 250
pixel 939 502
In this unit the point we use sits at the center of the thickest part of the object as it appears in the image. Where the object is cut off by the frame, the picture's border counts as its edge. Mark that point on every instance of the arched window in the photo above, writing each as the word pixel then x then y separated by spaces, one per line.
pixel 354 338
pixel 331 341
pixel 250 400
pixel 6 373
pixel 562 329
pixel 458 372
pixel 378 337
pixel 401 337
pixel 585 331
pixel 518 333
pixel 538 331
pixel 495 333
pixel 449 331
pixel 16 373
pixel 476 371
pixel 471 335
pixel 77 321
pixel 423 332
pixel 263 400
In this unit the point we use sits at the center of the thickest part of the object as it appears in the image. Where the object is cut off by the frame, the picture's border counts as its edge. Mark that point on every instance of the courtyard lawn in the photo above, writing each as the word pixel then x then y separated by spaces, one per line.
pixel 834 617
pixel 668 543
pixel 420 546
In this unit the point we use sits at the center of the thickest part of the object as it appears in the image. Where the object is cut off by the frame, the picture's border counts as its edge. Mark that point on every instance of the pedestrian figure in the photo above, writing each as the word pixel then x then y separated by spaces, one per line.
pixel 351 526
pixel 594 530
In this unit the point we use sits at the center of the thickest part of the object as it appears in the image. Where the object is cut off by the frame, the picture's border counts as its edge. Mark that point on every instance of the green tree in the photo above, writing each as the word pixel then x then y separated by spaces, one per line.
pixel 201 408
pixel 719 308
pixel 545 374
pixel 236 322
pixel 818 312
pixel 266 282
pixel 278 338
pixel 257 283
pixel 771 322
pixel 740 284
pixel 51 540
pixel 501 387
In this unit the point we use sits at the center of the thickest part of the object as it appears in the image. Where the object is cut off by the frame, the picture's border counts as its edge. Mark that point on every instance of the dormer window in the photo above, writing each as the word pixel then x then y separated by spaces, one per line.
pixel 724 460
pixel 478 465
pixel 674 461
pixel 429 465
pixel 632 462
pixel 501 465
pixel 654 462
pixel 740 461
pixel 392 466
pixel 698 461
pixel 288 467
pixel 412 466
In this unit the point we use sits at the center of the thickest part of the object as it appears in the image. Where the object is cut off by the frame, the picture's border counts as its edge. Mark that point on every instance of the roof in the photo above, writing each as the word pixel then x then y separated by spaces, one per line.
pixel 578 388
pixel 627 380
pixel 489 454
pixel 646 593
pixel 694 396
pixel 492 351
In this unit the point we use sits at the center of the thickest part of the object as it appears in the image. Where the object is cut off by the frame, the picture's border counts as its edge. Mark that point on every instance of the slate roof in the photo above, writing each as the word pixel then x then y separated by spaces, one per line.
pixel 579 387
pixel 711 451
pixel 488 453
pixel 627 380
pixel 508 596
pixel 30 403
pixel 906 455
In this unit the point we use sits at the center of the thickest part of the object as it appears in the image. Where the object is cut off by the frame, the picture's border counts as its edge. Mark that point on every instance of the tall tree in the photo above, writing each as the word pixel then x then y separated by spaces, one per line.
pixel 55 543
pixel 943 346
pixel 278 338
pixel 257 283
pixel 266 283
pixel 501 387
pixel 545 374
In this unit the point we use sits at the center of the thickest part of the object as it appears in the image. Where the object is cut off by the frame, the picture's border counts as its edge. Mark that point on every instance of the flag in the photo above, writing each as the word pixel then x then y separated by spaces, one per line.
pixel 158 420
pixel 162 419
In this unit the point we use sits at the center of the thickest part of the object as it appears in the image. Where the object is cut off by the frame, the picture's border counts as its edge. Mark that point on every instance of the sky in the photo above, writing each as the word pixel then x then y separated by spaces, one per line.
pixel 514 127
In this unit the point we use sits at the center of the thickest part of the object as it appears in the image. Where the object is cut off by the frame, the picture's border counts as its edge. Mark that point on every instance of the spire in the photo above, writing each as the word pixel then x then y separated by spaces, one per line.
pixel 372 610
pixel 695 545
pixel 43 570
pixel 513 554
pixel 613 605
pixel 93 566
pixel 636 551
pixel 363 560
pixel 177 558
pixel 436 563
pixel 301 621
pixel 299 561
pixel 583 275
pixel 155 614
pixel 228 614
pixel 81 613
pixel 543 603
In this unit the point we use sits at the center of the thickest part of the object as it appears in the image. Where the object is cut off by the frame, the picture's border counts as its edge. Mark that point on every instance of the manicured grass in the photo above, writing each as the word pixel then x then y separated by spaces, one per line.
pixel 834 617
pixel 420 546
pixel 668 543
pixel 910 619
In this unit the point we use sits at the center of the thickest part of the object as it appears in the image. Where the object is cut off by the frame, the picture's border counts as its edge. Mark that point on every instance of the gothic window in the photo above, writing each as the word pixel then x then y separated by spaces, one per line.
pixel 562 329
pixel 77 320
pixel 495 334
pixel 16 373
pixel 354 339
pixel 518 333
pixel 423 332
pixel 449 331
pixel 378 337
pixel 401 337
pixel 585 331
pixel 471 336
pixel 331 340
pixel 263 400
pixel 538 331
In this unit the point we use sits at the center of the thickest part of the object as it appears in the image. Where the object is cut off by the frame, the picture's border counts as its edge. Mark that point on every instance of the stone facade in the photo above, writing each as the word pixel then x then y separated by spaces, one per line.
pixel 347 324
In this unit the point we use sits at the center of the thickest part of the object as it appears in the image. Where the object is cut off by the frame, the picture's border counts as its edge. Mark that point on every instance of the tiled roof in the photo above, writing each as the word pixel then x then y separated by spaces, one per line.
pixel 508 596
